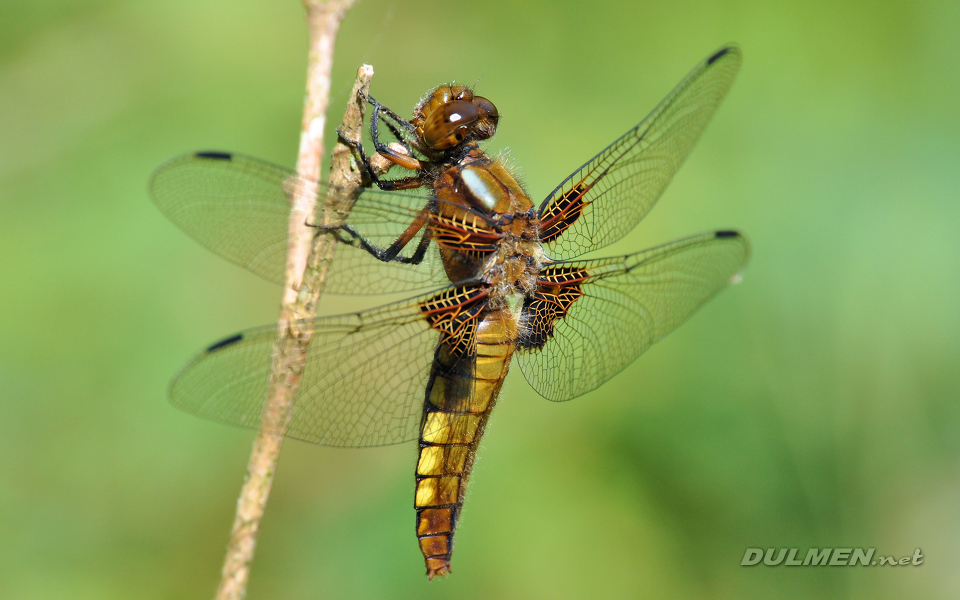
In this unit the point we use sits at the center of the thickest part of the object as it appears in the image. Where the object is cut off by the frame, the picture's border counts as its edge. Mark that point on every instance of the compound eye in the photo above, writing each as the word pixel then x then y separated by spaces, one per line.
pixel 447 126
pixel 486 108
pixel 487 120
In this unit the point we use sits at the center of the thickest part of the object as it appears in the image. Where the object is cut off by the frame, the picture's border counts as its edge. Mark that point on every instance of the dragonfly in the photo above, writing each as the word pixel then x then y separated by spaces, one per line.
pixel 497 279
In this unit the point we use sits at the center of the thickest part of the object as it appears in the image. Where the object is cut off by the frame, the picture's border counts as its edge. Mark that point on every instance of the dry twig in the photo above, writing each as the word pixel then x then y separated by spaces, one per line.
pixel 308 259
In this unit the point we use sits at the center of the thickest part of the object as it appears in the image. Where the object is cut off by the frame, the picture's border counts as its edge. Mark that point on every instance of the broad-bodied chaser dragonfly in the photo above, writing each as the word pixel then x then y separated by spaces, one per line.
pixel 430 368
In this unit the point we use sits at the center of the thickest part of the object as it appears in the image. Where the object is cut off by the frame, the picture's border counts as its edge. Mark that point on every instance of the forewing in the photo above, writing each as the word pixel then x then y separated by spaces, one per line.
pixel 363 381
pixel 598 316
pixel 239 207
pixel 605 199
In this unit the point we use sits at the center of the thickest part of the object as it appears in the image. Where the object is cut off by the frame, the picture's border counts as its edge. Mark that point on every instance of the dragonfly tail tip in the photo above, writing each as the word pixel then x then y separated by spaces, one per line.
pixel 437 567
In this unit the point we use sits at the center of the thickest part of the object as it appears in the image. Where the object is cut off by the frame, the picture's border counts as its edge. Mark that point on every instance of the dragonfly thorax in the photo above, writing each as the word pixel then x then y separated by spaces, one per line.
pixel 513 268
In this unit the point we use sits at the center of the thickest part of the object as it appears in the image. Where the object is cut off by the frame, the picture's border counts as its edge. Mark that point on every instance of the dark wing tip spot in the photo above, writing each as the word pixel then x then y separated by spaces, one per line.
pixel 716 56
pixel 727 234
pixel 215 155
pixel 230 340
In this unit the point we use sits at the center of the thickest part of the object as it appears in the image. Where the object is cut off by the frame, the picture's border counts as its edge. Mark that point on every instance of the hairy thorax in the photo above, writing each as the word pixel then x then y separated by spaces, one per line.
pixel 513 268
pixel 497 224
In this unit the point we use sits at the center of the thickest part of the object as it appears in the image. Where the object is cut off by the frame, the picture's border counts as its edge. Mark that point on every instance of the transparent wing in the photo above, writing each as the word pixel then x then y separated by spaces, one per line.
pixel 605 199
pixel 615 308
pixel 363 382
pixel 239 207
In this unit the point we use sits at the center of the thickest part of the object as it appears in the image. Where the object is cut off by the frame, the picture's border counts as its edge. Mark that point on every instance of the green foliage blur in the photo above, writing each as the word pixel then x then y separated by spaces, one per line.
pixel 814 405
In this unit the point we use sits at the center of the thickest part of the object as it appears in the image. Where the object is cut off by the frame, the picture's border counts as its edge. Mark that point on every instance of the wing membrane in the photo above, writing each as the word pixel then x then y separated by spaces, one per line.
pixel 239 208
pixel 622 305
pixel 363 381
pixel 605 199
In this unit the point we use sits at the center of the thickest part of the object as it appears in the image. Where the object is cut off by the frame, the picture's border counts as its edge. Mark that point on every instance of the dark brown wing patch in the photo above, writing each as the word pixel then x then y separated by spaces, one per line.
pixel 453 313
pixel 557 289
pixel 562 212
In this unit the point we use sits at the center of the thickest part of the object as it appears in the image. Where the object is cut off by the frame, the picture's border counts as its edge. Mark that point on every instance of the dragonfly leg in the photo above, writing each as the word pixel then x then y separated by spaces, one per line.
pixel 407 160
pixel 360 155
pixel 397 134
pixel 346 234
pixel 405 183
pixel 380 108
pixel 389 185
pixel 402 158
pixel 388 254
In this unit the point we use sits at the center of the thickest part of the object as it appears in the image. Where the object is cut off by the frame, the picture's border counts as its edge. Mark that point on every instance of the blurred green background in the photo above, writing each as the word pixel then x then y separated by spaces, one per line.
pixel 814 405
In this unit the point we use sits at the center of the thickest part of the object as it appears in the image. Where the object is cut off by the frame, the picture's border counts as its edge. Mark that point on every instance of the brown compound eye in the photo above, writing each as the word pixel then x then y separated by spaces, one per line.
pixel 486 108
pixel 487 119
pixel 448 125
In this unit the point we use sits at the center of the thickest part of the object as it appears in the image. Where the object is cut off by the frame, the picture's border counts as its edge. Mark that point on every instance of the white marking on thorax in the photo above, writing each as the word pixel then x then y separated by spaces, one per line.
pixel 478 188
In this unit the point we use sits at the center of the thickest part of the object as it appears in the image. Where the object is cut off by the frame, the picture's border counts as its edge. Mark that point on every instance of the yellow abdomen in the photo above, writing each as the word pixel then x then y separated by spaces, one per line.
pixel 460 394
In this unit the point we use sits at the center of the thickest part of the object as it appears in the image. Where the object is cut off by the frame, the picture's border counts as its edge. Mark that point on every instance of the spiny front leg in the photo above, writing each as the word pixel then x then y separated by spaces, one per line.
pixel 404 159
pixel 372 172
pixel 345 234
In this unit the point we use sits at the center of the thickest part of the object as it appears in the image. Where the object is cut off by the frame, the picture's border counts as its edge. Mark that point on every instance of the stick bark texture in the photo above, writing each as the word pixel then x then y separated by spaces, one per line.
pixel 308 260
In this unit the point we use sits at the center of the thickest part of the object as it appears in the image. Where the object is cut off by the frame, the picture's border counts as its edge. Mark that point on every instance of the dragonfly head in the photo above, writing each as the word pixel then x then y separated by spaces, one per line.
pixel 451 115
